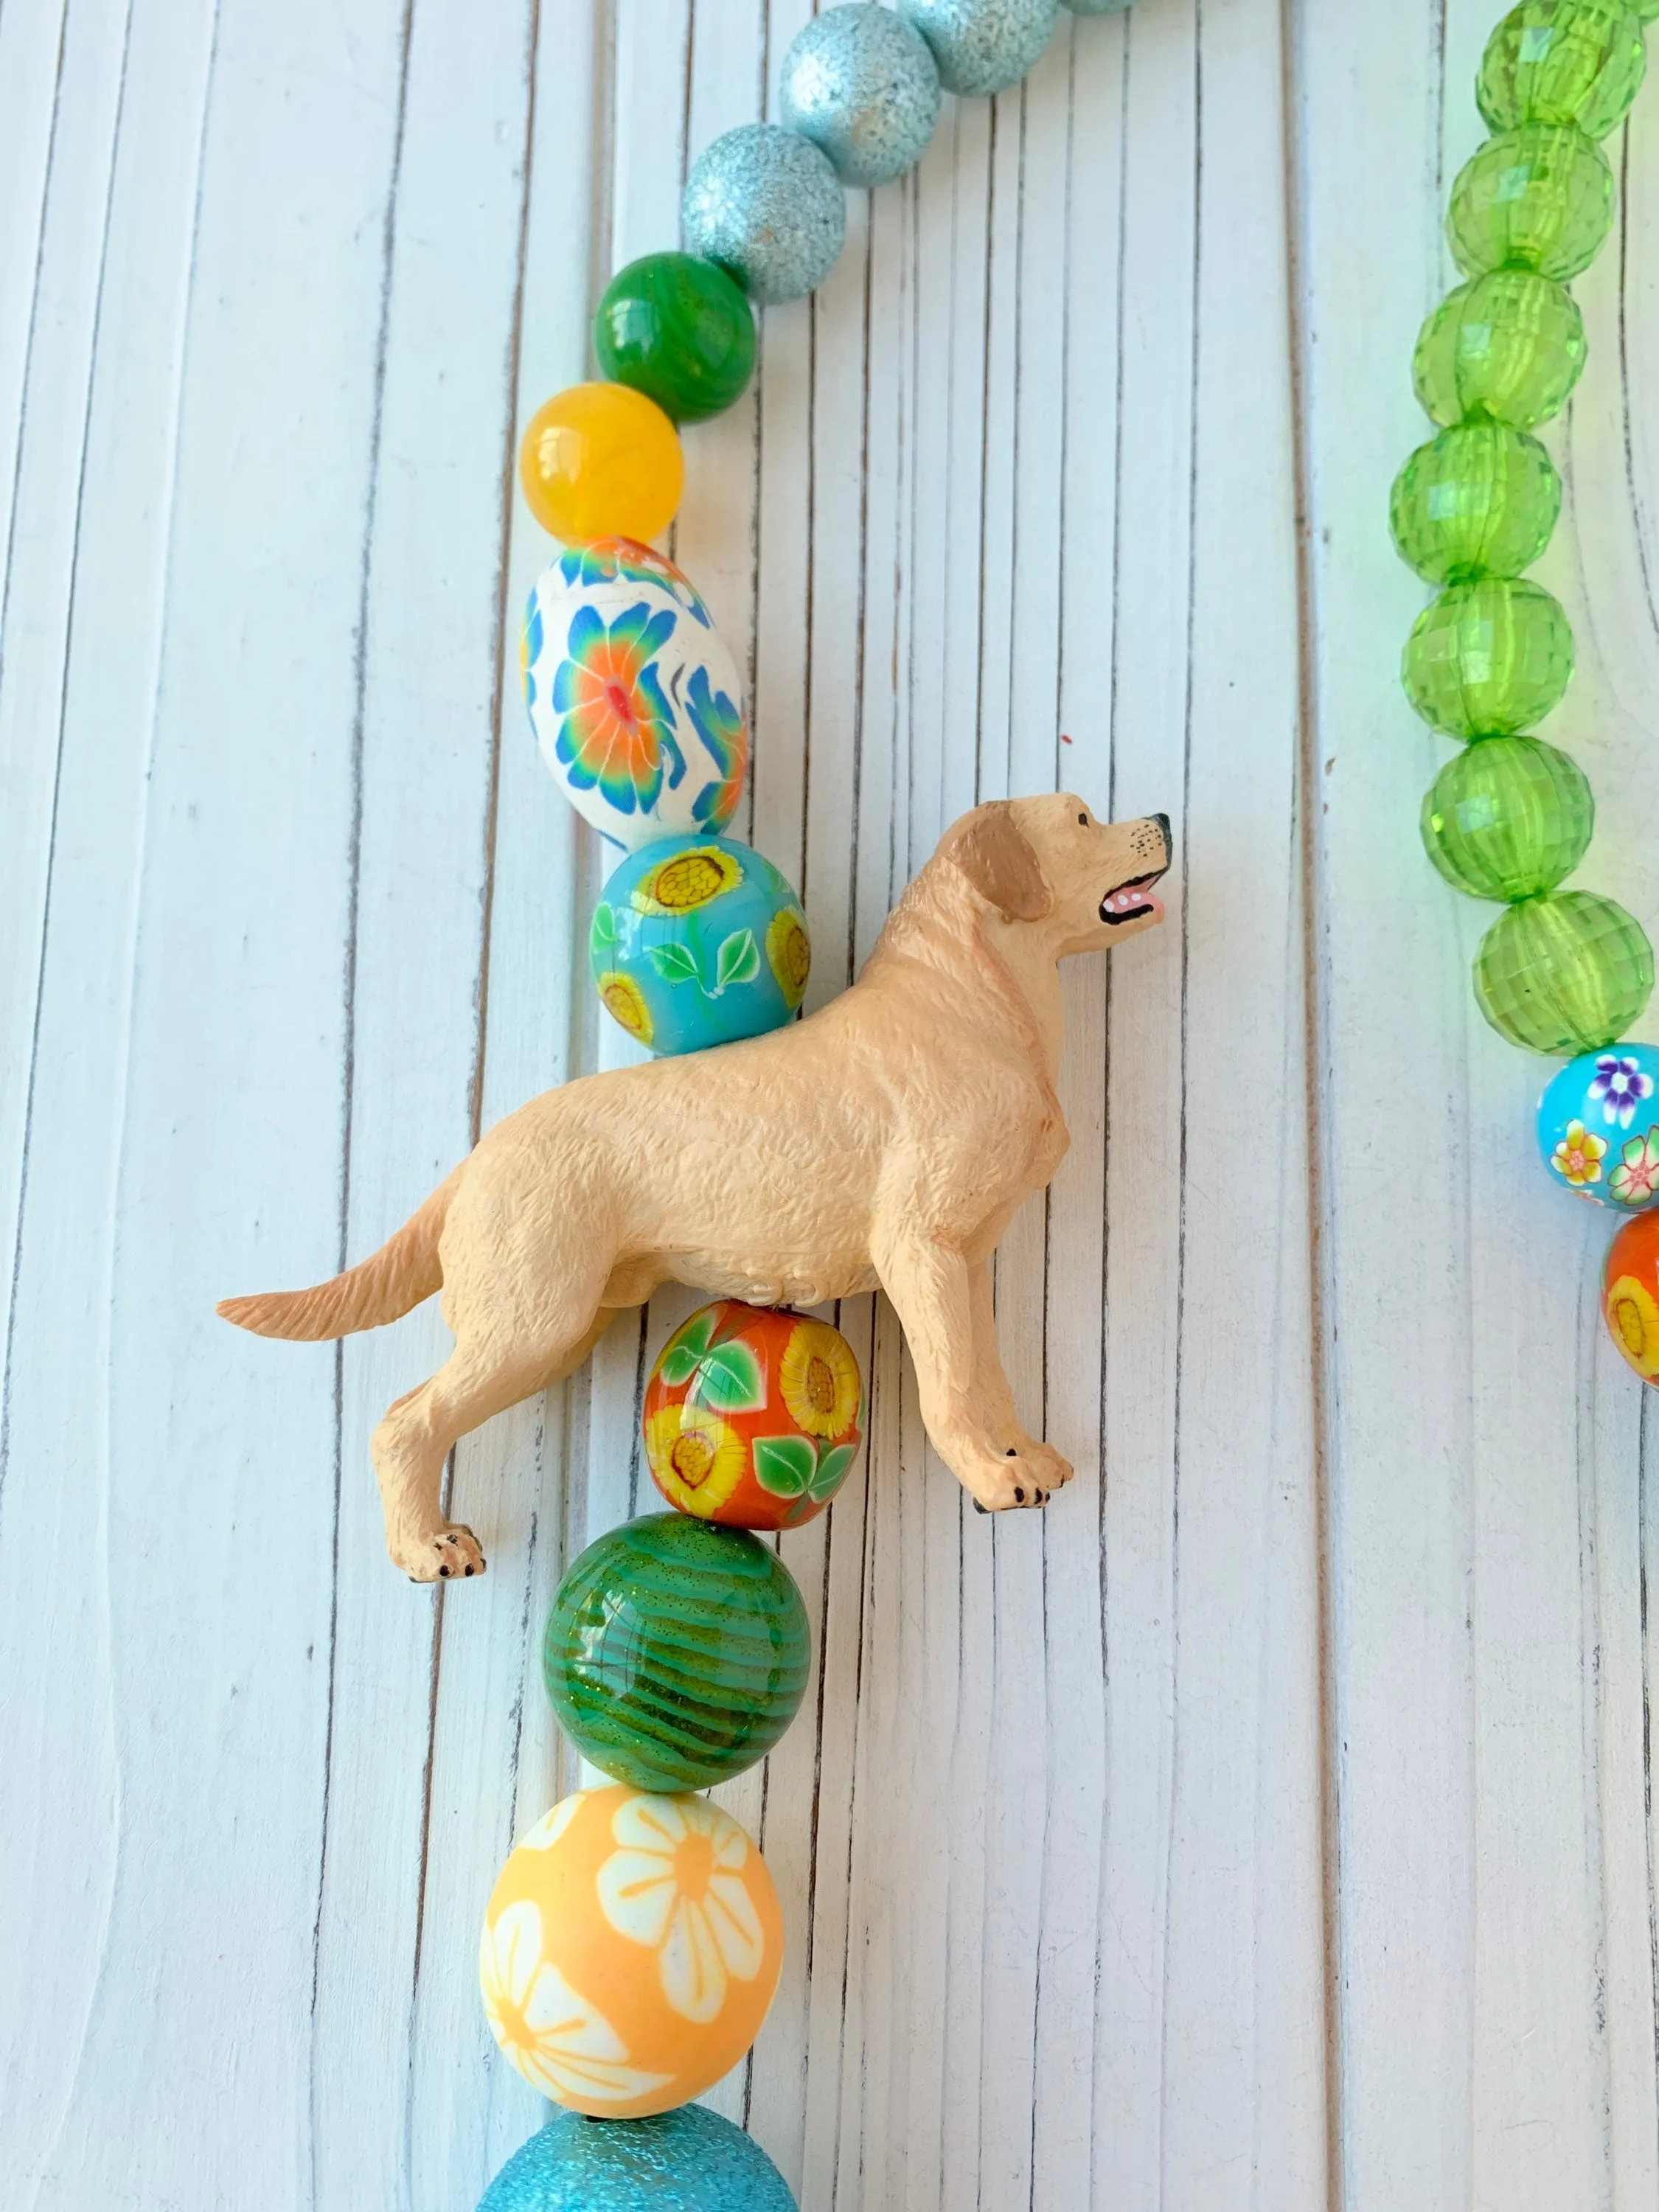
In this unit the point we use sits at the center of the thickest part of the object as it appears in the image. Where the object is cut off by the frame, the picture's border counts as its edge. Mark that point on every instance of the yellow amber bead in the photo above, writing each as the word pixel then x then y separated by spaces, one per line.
pixel 601 460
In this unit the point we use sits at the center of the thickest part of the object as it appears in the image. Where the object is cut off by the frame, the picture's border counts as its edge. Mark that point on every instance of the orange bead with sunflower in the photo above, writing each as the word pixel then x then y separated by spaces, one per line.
pixel 1630 1296
pixel 752 1417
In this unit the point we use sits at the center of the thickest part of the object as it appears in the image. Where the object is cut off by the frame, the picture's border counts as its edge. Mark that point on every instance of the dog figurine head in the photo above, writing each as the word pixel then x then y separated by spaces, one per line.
pixel 1084 883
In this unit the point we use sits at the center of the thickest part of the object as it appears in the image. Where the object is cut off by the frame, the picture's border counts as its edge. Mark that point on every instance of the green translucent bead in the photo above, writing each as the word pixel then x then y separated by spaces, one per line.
pixel 1539 198
pixel 1488 658
pixel 1566 974
pixel 1481 500
pixel 1507 819
pixel 1510 345
pixel 676 1653
pixel 679 331
pixel 1563 61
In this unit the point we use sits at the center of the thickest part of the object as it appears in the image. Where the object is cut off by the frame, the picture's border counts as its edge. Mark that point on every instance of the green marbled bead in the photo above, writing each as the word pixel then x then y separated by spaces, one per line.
pixel 1481 500
pixel 1563 61
pixel 1510 818
pixel 1488 658
pixel 1537 197
pixel 1510 345
pixel 1567 974
pixel 676 1652
pixel 679 331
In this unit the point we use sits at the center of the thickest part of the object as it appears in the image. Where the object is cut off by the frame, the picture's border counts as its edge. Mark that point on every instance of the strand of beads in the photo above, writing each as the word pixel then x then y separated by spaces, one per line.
pixel 634 1939
pixel 1510 817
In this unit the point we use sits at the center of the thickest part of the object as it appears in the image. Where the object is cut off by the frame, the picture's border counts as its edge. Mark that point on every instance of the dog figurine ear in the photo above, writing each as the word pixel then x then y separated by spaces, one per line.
pixel 1001 864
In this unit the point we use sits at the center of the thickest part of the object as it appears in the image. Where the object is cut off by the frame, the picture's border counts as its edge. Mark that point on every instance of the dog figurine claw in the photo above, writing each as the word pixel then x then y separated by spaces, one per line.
pixel 887 1140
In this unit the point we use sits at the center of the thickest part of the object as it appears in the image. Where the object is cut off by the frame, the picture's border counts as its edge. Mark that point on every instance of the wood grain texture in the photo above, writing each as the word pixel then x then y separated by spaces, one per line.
pixel 1267 1822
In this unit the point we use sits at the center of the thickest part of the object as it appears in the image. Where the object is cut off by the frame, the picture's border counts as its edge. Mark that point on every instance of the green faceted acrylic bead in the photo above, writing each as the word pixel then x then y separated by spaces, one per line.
pixel 1488 658
pixel 1481 500
pixel 1563 61
pixel 1567 974
pixel 679 331
pixel 1510 345
pixel 676 1653
pixel 1537 197
pixel 1507 819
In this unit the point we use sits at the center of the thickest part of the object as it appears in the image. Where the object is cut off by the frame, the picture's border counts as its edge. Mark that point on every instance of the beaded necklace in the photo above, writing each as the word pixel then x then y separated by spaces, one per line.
pixel 634 1939
pixel 678 1648
pixel 1560 971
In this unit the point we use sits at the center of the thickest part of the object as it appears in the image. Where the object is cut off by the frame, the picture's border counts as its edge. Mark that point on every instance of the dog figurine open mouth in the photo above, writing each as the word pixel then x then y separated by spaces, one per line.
pixel 886 1141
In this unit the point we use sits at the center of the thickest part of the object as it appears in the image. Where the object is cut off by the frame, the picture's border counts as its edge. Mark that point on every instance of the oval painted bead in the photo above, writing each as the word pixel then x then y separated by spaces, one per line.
pixel 633 696
pixel 1630 1294
pixel 1598 1126
pixel 686 2160
pixel 631 1946
pixel 676 1654
pixel 698 942
pixel 752 1416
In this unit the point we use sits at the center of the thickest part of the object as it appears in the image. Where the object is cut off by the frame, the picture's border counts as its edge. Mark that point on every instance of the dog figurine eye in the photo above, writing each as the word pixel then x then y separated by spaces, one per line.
pixel 1084 819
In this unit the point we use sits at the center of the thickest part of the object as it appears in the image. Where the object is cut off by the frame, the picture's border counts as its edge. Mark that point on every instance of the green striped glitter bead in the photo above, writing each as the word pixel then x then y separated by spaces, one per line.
pixel 676 1653
pixel 1567 974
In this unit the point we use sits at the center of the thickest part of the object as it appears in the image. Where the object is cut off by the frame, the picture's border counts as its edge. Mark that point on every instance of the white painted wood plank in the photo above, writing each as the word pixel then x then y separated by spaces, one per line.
pixel 1048 1831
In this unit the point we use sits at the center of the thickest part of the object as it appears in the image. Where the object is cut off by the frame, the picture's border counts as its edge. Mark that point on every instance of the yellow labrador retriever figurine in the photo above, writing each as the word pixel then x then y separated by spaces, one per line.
pixel 889 1139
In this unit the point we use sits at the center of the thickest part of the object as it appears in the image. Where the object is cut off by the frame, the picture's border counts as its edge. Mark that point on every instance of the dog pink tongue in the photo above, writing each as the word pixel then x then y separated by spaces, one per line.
pixel 1133 898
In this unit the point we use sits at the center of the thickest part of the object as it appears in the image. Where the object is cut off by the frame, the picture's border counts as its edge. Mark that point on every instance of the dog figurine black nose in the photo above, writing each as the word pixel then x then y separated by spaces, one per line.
pixel 1163 822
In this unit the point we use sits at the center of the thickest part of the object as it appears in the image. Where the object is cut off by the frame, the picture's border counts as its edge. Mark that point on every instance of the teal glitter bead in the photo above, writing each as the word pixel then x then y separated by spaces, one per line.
pixel 679 331
pixel 1508 819
pixel 1537 197
pixel 688 2161
pixel 983 46
pixel 765 204
pixel 676 1653
pixel 1480 500
pixel 1510 345
pixel 1488 658
pixel 1567 974
pixel 860 83
pixel 1563 61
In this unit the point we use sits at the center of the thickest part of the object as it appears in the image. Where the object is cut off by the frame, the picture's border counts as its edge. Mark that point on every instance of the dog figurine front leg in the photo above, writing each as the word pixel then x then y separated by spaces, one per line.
pixel 966 1403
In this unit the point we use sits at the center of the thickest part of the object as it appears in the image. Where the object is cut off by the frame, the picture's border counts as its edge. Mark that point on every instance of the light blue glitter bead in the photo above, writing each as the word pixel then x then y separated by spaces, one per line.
pixel 983 46
pixel 860 83
pixel 766 204
pixel 689 2160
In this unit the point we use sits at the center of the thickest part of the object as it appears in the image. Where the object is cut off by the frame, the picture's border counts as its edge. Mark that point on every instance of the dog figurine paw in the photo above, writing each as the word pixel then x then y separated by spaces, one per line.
pixel 888 1140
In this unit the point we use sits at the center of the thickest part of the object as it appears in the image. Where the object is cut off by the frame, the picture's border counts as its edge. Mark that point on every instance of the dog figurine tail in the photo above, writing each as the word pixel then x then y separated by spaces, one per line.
pixel 380 1289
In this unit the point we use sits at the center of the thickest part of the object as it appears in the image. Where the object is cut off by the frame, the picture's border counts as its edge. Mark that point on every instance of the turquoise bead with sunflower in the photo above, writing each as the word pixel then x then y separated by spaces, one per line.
pixel 698 941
